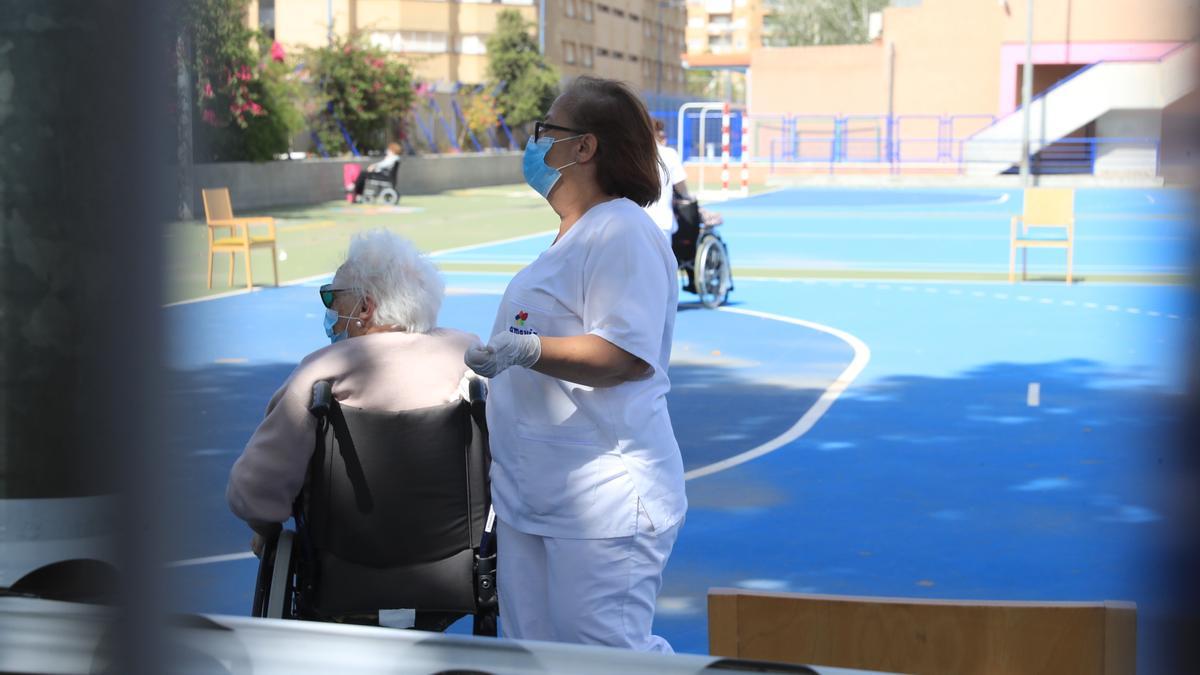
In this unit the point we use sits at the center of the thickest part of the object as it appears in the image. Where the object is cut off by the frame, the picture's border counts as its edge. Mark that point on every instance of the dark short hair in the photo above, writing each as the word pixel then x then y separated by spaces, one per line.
pixel 627 163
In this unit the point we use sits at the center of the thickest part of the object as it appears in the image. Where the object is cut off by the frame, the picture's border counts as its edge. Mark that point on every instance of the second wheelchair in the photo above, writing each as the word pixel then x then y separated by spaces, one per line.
pixel 701 253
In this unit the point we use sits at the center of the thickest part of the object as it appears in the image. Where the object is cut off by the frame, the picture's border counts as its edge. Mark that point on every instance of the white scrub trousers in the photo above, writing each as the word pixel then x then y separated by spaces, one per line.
pixel 589 591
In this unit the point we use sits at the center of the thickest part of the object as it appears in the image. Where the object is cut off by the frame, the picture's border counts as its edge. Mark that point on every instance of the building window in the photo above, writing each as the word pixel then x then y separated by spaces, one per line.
pixel 634 18
pixel 601 51
pixel 619 13
pixel 587 56
pixel 472 44
pixel 587 11
pixel 266 17
pixel 720 44
pixel 602 8
pixel 514 2
pixel 569 8
pixel 646 29
pixel 720 19
pixel 568 51
pixel 618 55
pixel 633 57
pixel 411 41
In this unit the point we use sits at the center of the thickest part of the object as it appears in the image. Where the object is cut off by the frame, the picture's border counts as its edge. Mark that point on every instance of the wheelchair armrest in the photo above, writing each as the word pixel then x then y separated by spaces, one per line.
pixel 477 388
pixel 322 397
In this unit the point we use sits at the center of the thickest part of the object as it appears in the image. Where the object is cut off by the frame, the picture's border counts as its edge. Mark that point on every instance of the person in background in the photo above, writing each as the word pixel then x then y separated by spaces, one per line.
pixel 587 477
pixel 381 169
pixel 672 179
pixel 386 353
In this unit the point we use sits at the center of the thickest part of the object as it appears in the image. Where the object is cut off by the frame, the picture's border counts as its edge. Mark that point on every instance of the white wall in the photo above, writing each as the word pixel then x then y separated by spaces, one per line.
pixel 1128 157
pixel 311 181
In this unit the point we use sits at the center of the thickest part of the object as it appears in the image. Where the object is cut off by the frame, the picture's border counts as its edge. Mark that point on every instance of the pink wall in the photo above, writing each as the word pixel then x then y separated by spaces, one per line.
pixel 1013 55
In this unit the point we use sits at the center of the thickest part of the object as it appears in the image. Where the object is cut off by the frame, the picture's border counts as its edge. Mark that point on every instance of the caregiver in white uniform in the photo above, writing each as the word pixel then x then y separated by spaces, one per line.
pixel 587 479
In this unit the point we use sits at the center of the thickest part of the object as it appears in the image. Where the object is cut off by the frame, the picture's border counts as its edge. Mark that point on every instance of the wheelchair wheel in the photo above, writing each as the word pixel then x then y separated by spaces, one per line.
pixel 712 272
pixel 387 196
pixel 275 590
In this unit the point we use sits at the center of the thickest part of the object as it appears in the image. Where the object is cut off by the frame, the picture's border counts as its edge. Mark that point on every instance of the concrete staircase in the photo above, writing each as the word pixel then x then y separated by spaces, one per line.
pixel 1089 94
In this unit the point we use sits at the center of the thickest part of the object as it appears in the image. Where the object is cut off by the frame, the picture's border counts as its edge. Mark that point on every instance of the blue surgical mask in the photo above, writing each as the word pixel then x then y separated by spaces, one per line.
pixel 331 319
pixel 538 174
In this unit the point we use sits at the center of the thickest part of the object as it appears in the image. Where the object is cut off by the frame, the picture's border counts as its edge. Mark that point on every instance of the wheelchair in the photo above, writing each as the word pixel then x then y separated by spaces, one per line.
pixel 380 187
pixel 700 252
pixel 395 513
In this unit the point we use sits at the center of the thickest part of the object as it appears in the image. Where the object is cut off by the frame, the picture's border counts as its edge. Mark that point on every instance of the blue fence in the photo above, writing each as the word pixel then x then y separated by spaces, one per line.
pixel 931 141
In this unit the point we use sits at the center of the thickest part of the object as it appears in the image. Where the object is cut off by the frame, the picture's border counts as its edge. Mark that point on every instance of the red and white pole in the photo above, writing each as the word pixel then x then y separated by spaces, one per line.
pixel 745 154
pixel 725 149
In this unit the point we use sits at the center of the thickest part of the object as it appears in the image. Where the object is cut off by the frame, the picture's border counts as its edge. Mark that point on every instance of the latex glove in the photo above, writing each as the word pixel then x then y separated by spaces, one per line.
pixel 503 351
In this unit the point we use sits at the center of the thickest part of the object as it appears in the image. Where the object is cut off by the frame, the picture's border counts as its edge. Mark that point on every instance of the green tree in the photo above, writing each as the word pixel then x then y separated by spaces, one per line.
pixel 244 107
pixel 819 22
pixel 530 84
pixel 359 87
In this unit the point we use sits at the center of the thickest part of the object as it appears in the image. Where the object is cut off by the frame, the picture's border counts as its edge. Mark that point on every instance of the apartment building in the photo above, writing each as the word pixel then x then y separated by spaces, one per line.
pixel 723 27
pixel 638 41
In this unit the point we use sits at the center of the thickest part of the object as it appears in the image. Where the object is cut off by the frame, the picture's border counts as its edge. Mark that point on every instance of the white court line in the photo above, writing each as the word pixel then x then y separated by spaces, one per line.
pixel 1033 396
pixel 211 559
pixel 862 354
pixel 218 296
pixel 492 243
pixel 309 279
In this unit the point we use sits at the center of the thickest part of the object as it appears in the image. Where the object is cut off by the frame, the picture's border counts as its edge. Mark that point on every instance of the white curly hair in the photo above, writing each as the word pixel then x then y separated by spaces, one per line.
pixel 405 285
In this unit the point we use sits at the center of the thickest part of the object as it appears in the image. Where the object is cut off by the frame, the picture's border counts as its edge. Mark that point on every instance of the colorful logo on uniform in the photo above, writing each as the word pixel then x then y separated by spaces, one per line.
pixel 521 317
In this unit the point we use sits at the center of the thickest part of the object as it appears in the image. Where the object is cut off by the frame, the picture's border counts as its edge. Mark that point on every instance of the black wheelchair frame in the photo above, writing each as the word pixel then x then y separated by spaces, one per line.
pixel 381 189
pixel 701 254
pixel 343 561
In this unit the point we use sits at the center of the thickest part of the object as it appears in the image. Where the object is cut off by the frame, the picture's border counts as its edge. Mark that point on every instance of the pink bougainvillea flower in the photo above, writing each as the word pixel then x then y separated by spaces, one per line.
pixel 209 117
pixel 377 86
pixel 256 109
pixel 208 90
pixel 277 52
pixel 244 74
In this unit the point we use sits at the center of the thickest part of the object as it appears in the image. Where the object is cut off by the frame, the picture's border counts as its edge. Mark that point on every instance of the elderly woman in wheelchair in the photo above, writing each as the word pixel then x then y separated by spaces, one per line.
pixel 375 445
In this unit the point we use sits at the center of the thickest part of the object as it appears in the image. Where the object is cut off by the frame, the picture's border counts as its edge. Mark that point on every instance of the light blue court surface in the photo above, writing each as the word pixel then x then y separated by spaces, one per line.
pixel 1119 231
pixel 935 474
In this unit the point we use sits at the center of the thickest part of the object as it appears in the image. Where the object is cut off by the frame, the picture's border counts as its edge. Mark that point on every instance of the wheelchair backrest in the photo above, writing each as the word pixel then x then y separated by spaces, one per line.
pixel 387 489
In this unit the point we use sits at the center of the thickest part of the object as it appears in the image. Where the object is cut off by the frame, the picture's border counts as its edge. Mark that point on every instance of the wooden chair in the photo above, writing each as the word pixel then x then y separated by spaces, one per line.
pixel 218 212
pixel 959 637
pixel 1045 208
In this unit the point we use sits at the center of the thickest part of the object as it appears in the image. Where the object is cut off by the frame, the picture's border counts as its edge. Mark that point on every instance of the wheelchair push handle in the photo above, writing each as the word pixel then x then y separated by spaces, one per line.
pixel 322 397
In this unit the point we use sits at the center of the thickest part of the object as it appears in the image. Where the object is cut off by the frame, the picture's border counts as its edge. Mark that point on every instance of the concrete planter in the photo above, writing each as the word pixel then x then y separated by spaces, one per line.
pixel 264 185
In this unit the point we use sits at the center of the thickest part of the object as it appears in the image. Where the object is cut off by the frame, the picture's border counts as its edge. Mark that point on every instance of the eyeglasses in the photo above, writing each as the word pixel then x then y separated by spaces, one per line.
pixel 328 291
pixel 540 128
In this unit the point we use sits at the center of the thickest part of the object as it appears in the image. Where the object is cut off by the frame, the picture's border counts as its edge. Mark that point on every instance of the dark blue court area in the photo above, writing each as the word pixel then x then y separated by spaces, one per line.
pixel 867 437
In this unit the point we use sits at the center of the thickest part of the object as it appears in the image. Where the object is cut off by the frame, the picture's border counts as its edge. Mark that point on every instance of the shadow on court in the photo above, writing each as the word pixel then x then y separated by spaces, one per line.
pixel 912 486
pixel 944 488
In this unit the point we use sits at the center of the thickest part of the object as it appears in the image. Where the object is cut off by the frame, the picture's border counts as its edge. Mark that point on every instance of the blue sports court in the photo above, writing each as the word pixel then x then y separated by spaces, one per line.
pixel 874 413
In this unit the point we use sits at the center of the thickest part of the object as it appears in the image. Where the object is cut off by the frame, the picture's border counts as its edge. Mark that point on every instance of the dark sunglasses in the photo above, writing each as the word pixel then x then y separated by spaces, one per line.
pixel 540 128
pixel 328 291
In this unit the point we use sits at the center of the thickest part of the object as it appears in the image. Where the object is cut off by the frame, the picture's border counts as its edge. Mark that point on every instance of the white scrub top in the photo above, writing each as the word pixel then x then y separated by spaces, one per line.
pixel 573 461
pixel 661 210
